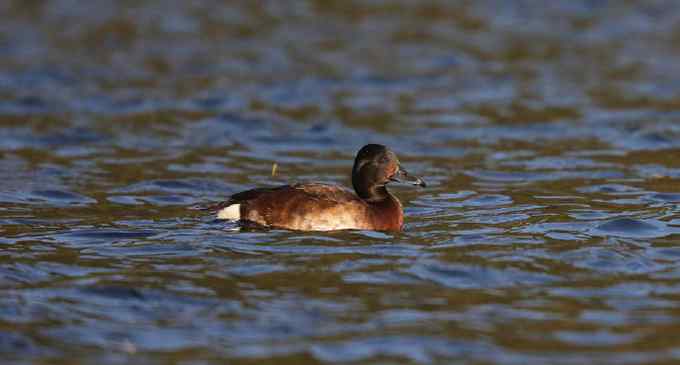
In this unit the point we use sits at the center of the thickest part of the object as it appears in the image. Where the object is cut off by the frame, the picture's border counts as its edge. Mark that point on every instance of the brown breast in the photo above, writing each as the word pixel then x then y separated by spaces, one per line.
pixel 318 207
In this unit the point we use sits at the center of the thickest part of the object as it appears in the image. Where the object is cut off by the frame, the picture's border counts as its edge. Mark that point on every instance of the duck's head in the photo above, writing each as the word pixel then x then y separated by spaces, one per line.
pixel 374 167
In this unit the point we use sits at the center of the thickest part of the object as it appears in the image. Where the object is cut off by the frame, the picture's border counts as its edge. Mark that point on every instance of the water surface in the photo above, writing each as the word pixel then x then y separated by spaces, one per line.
pixel 547 133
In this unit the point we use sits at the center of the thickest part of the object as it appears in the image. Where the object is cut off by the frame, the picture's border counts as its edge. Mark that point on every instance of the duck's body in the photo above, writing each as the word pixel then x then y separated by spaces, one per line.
pixel 313 207
pixel 323 207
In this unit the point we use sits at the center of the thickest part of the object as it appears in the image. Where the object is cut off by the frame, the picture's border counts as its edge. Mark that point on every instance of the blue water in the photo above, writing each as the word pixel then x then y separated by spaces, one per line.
pixel 547 133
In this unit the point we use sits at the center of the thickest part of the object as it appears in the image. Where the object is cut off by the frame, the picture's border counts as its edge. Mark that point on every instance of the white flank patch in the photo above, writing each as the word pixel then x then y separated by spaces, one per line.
pixel 232 212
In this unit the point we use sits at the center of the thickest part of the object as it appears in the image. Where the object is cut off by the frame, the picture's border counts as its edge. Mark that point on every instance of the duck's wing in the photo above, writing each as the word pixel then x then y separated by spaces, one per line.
pixel 254 194
pixel 312 191
pixel 231 208
pixel 327 193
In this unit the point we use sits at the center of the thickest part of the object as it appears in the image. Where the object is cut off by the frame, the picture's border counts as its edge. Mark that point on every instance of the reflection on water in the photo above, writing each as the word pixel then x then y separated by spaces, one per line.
pixel 548 134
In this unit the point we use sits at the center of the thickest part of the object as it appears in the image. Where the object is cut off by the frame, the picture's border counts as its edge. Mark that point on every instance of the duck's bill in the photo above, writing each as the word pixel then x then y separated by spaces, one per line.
pixel 404 177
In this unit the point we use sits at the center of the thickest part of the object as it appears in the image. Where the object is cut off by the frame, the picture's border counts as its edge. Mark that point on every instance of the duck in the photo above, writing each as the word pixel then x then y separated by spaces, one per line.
pixel 325 207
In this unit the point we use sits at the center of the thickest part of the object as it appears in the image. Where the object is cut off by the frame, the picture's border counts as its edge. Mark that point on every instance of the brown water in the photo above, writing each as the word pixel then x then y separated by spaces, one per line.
pixel 548 133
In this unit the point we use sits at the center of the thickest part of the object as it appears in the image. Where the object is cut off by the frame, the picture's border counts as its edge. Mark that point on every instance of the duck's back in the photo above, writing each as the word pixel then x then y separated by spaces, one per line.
pixel 312 206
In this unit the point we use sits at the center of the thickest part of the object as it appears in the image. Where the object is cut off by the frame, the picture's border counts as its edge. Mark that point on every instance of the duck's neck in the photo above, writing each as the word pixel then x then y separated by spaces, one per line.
pixel 373 194
pixel 387 212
